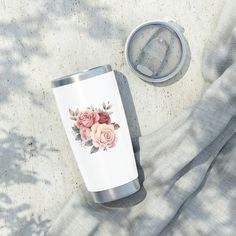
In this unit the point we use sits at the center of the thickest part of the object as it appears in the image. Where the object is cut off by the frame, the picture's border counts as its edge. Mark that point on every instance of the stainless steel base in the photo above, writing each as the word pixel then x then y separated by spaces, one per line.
pixel 116 193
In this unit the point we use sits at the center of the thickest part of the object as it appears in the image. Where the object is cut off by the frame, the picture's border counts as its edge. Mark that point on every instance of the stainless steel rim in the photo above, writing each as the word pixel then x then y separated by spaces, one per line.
pixel 85 74
pixel 116 193
pixel 183 45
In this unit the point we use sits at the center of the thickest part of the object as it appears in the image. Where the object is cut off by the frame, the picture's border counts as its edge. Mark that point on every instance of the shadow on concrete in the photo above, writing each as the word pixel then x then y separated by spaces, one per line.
pixel 22 41
pixel 129 108
pixel 15 151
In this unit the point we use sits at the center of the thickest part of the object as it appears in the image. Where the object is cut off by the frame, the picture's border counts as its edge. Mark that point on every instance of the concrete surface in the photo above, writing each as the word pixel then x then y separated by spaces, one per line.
pixel 42 40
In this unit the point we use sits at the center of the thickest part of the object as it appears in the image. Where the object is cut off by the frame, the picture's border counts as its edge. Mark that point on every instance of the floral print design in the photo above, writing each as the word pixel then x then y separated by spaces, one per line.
pixel 93 127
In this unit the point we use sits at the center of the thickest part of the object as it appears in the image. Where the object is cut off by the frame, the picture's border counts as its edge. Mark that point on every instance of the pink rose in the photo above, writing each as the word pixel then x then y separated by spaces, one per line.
pixel 86 119
pixel 104 118
pixel 85 134
pixel 103 135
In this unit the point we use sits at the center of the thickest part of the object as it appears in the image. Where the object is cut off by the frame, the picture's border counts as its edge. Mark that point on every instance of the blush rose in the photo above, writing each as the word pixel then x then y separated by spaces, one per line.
pixel 85 134
pixel 103 135
pixel 104 118
pixel 86 119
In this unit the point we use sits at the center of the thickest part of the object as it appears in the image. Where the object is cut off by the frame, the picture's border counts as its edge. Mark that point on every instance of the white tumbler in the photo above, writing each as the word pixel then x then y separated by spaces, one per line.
pixel 93 116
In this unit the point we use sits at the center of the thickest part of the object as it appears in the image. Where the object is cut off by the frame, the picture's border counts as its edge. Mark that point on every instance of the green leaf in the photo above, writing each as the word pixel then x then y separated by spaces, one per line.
pixel 77 112
pixel 71 112
pixel 72 117
pixel 92 107
pixel 116 126
pixel 89 143
pixel 104 106
pixel 94 149
pixel 78 137
pixel 75 129
pixel 109 106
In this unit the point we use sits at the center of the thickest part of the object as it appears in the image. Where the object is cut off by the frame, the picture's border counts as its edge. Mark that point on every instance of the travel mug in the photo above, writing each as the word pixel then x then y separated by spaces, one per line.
pixel 93 116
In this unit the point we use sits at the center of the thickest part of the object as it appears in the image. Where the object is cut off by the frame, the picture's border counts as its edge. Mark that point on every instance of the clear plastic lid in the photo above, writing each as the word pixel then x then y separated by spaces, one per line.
pixel 156 51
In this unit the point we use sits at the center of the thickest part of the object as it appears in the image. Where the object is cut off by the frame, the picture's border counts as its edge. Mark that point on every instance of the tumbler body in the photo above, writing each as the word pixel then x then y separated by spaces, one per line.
pixel 92 113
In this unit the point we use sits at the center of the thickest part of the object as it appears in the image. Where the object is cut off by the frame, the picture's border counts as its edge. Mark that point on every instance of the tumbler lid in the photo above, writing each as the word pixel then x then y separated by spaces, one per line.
pixel 156 51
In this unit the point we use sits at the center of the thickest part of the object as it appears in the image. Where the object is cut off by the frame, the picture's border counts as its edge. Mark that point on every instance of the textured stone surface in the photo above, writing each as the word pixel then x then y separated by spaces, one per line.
pixel 42 40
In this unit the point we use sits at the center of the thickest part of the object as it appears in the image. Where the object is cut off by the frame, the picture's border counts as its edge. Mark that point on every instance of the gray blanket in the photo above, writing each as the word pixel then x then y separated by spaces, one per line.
pixel 187 167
